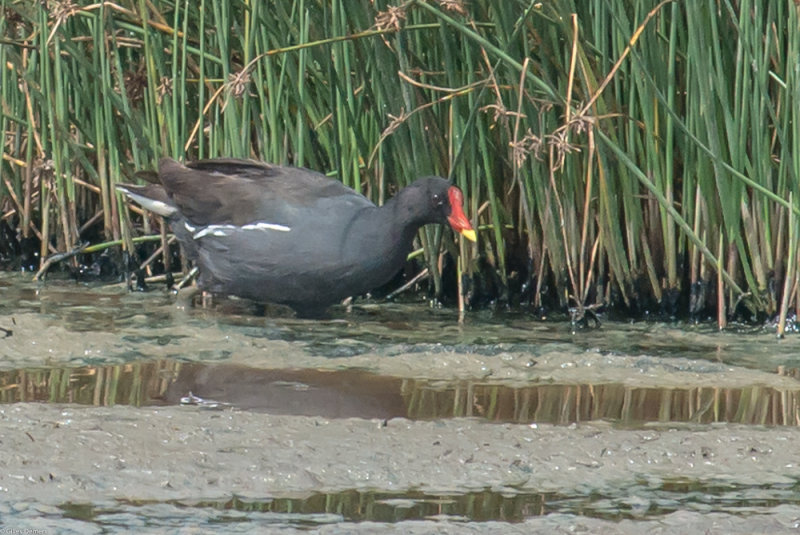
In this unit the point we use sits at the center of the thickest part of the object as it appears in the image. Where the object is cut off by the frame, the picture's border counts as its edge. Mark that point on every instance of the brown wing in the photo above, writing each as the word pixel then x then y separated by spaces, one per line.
pixel 231 191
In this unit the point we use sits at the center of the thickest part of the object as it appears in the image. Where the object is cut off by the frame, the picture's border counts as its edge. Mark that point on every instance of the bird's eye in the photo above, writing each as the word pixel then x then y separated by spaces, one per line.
pixel 437 200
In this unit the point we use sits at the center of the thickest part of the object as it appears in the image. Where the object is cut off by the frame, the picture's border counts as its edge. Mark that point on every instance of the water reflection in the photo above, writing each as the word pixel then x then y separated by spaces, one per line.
pixel 357 393
pixel 306 511
pixel 354 506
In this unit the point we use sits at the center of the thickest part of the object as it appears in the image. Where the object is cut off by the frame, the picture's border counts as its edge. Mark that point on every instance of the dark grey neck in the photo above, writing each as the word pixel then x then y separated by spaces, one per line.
pixel 388 230
pixel 387 233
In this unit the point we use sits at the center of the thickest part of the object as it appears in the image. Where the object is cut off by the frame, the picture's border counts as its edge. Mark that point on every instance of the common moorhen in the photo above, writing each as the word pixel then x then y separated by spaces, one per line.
pixel 290 235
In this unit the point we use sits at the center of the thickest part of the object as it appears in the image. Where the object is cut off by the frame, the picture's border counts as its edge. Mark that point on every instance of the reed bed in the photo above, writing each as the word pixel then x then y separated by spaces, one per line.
pixel 637 156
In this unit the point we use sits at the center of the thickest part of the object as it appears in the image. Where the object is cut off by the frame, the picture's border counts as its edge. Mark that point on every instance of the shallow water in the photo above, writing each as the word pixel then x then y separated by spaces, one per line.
pixel 355 506
pixel 100 346
pixel 354 393
pixel 381 328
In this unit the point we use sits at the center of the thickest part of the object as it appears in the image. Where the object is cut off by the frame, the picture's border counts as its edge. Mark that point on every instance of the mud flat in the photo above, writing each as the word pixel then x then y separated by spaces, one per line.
pixel 106 456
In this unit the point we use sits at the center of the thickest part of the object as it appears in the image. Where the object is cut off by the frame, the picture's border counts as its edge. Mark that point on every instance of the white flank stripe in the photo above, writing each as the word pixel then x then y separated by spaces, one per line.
pixel 189 227
pixel 225 230
pixel 266 226
pixel 214 230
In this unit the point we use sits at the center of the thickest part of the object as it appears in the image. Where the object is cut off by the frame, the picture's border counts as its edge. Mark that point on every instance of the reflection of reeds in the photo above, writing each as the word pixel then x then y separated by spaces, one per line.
pixel 137 383
pixel 627 404
pixel 143 383
pixel 609 154
pixel 376 506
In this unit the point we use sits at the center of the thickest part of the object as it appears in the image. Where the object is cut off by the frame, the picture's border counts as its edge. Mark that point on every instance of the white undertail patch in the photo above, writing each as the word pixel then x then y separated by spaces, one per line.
pixel 159 207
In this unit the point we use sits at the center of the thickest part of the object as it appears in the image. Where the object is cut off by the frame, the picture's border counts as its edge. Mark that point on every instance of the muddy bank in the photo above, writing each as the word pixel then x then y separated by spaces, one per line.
pixel 59 454
pixel 39 340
